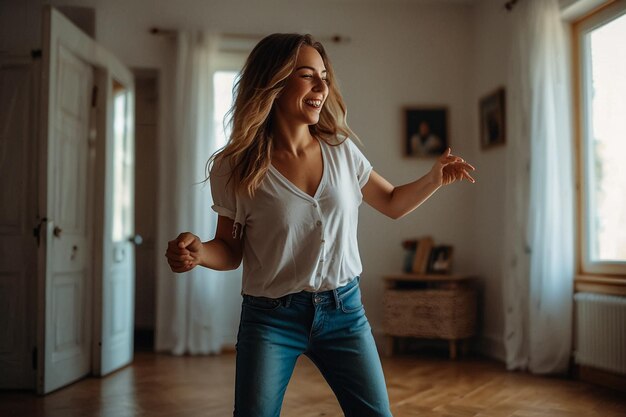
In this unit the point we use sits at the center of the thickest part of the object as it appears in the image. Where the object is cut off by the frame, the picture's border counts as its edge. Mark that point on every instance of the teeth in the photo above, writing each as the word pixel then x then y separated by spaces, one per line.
pixel 315 103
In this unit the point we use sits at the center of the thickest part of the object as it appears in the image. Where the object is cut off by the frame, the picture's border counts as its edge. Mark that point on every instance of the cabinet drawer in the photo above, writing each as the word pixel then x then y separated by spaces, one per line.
pixel 430 313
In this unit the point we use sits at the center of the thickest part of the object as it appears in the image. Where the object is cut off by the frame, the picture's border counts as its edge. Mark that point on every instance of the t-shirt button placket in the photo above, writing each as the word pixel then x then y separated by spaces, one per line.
pixel 322 250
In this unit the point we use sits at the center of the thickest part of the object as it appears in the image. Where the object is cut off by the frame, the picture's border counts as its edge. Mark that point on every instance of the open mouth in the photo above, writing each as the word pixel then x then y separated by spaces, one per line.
pixel 316 104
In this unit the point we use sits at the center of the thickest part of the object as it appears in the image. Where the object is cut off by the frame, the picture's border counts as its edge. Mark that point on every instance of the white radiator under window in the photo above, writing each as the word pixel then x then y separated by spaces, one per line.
pixel 601 331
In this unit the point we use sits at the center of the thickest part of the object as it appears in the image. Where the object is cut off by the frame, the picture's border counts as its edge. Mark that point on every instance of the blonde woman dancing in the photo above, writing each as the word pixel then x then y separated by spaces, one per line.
pixel 287 188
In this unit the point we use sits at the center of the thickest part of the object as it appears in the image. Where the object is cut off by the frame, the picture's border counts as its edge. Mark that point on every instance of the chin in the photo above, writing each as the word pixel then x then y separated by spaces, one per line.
pixel 311 120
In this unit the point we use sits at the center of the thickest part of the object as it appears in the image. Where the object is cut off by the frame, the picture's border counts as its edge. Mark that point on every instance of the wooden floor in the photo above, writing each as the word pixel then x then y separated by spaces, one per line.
pixel 162 385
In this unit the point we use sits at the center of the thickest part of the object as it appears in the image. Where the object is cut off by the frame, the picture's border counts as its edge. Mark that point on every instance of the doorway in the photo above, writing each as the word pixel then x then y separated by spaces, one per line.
pixel 146 128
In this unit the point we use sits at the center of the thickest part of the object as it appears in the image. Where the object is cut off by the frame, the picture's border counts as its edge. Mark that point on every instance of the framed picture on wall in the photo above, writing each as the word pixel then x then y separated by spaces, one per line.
pixel 493 119
pixel 440 261
pixel 426 131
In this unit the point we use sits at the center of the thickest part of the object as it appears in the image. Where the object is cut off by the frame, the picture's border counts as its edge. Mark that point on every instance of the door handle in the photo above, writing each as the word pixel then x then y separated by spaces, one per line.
pixel 57 231
pixel 136 240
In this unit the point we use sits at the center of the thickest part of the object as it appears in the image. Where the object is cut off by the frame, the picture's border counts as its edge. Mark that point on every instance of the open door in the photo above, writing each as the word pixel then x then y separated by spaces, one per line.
pixel 79 290
pixel 114 311
pixel 66 209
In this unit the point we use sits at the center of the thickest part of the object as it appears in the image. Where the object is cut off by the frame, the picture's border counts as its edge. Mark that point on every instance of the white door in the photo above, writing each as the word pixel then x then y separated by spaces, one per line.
pixel 118 278
pixel 86 262
pixel 66 202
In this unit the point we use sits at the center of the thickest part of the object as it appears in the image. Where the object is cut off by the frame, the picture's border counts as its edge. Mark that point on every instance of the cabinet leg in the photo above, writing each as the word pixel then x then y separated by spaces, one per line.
pixel 464 347
pixel 452 344
pixel 389 345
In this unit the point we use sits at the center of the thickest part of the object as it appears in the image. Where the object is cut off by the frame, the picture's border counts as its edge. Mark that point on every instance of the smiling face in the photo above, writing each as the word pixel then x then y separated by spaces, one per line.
pixel 305 91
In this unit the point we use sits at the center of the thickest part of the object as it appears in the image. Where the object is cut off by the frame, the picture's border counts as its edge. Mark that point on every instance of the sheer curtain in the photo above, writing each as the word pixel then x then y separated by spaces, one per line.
pixel 539 254
pixel 189 306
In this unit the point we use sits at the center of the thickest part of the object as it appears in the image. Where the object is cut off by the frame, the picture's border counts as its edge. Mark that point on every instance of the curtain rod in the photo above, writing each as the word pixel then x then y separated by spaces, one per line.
pixel 510 4
pixel 248 36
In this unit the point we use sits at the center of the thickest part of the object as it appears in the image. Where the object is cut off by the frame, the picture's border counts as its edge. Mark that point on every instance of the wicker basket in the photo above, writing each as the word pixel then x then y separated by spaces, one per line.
pixel 430 313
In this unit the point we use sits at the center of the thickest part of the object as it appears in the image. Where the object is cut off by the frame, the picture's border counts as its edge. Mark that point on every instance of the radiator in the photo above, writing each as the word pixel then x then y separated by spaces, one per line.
pixel 601 331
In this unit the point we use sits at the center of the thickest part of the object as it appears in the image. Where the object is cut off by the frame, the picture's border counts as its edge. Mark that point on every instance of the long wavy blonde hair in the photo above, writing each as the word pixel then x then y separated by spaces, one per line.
pixel 260 82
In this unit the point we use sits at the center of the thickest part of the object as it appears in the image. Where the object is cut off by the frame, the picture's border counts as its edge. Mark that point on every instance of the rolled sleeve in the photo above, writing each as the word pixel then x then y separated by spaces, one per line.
pixel 222 190
pixel 365 176
pixel 223 211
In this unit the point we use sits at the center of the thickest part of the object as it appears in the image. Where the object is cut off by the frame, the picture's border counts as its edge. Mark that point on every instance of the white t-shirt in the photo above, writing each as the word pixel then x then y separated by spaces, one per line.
pixel 292 241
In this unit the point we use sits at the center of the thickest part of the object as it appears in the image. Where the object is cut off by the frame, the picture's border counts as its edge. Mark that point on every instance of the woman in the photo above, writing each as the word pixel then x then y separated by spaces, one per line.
pixel 287 188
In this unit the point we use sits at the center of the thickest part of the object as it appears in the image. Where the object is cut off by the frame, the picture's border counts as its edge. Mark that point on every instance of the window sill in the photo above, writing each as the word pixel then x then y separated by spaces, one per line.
pixel 600 284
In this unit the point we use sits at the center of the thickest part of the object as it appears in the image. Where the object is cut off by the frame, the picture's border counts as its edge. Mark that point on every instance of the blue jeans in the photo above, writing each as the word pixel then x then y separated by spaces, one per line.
pixel 330 328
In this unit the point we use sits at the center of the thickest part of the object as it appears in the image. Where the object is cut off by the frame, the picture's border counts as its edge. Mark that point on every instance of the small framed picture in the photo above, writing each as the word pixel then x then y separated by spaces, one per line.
pixel 426 131
pixel 493 119
pixel 440 261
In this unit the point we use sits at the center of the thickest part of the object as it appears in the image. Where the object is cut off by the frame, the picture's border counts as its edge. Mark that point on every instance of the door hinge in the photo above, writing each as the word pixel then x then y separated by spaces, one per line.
pixel 37 230
pixel 94 96
pixel 35 357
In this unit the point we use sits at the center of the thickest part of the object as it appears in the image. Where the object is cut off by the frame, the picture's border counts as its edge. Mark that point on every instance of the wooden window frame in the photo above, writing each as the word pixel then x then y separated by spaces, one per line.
pixel 597 277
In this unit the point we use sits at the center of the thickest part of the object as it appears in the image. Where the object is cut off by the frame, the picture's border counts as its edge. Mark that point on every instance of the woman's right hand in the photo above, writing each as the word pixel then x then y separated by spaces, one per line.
pixel 184 252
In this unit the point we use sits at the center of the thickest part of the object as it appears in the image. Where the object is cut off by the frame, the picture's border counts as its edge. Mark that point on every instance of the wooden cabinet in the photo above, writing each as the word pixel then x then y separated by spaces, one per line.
pixel 429 306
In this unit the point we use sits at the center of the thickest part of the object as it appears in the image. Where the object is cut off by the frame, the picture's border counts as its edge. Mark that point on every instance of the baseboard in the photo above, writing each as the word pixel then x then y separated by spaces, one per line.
pixel 598 377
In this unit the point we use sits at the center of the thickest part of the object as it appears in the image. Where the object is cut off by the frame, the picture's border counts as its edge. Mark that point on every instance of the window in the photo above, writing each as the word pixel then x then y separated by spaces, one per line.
pixel 123 165
pixel 601 110
pixel 228 66
pixel 223 82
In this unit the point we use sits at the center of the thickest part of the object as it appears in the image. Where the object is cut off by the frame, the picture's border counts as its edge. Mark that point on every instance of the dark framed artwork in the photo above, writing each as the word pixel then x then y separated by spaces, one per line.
pixel 426 131
pixel 440 261
pixel 493 119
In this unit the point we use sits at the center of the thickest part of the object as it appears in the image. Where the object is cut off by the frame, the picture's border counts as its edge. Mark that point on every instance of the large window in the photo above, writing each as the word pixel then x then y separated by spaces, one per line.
pixel 599 40
pixel 227 69
pixel 223 82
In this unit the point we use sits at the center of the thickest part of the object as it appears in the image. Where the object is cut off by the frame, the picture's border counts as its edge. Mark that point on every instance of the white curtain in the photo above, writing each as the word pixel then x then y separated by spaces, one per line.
pixel 189 306
pixel 539 253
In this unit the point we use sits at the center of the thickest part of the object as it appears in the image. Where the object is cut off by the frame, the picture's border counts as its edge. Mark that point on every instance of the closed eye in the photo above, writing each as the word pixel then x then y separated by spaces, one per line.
pixel 325 79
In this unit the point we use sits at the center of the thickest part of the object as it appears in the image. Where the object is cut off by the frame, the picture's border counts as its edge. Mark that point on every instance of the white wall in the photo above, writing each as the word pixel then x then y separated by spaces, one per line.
pixel 402 53
pixel 492 36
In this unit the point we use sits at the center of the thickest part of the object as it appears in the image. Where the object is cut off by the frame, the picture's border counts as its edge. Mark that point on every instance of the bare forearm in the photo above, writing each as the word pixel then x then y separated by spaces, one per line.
pixel 397 202
pixel 406 198
pixel 217 255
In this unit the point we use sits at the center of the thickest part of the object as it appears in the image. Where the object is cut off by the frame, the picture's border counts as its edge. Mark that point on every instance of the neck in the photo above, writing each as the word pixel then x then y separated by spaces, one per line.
pixel 289 138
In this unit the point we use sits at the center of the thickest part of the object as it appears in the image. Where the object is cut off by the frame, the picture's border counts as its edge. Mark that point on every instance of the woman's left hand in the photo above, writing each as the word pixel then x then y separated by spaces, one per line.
pixel 450 168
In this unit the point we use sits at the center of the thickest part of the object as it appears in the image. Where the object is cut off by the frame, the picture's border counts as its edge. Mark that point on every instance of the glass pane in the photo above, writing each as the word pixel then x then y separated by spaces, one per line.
pixel 607 142
pixel 223 82
pixel 122 167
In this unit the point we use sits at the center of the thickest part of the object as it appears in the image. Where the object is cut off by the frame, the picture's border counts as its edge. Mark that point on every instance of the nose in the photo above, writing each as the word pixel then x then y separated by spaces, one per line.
pixel 320 84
